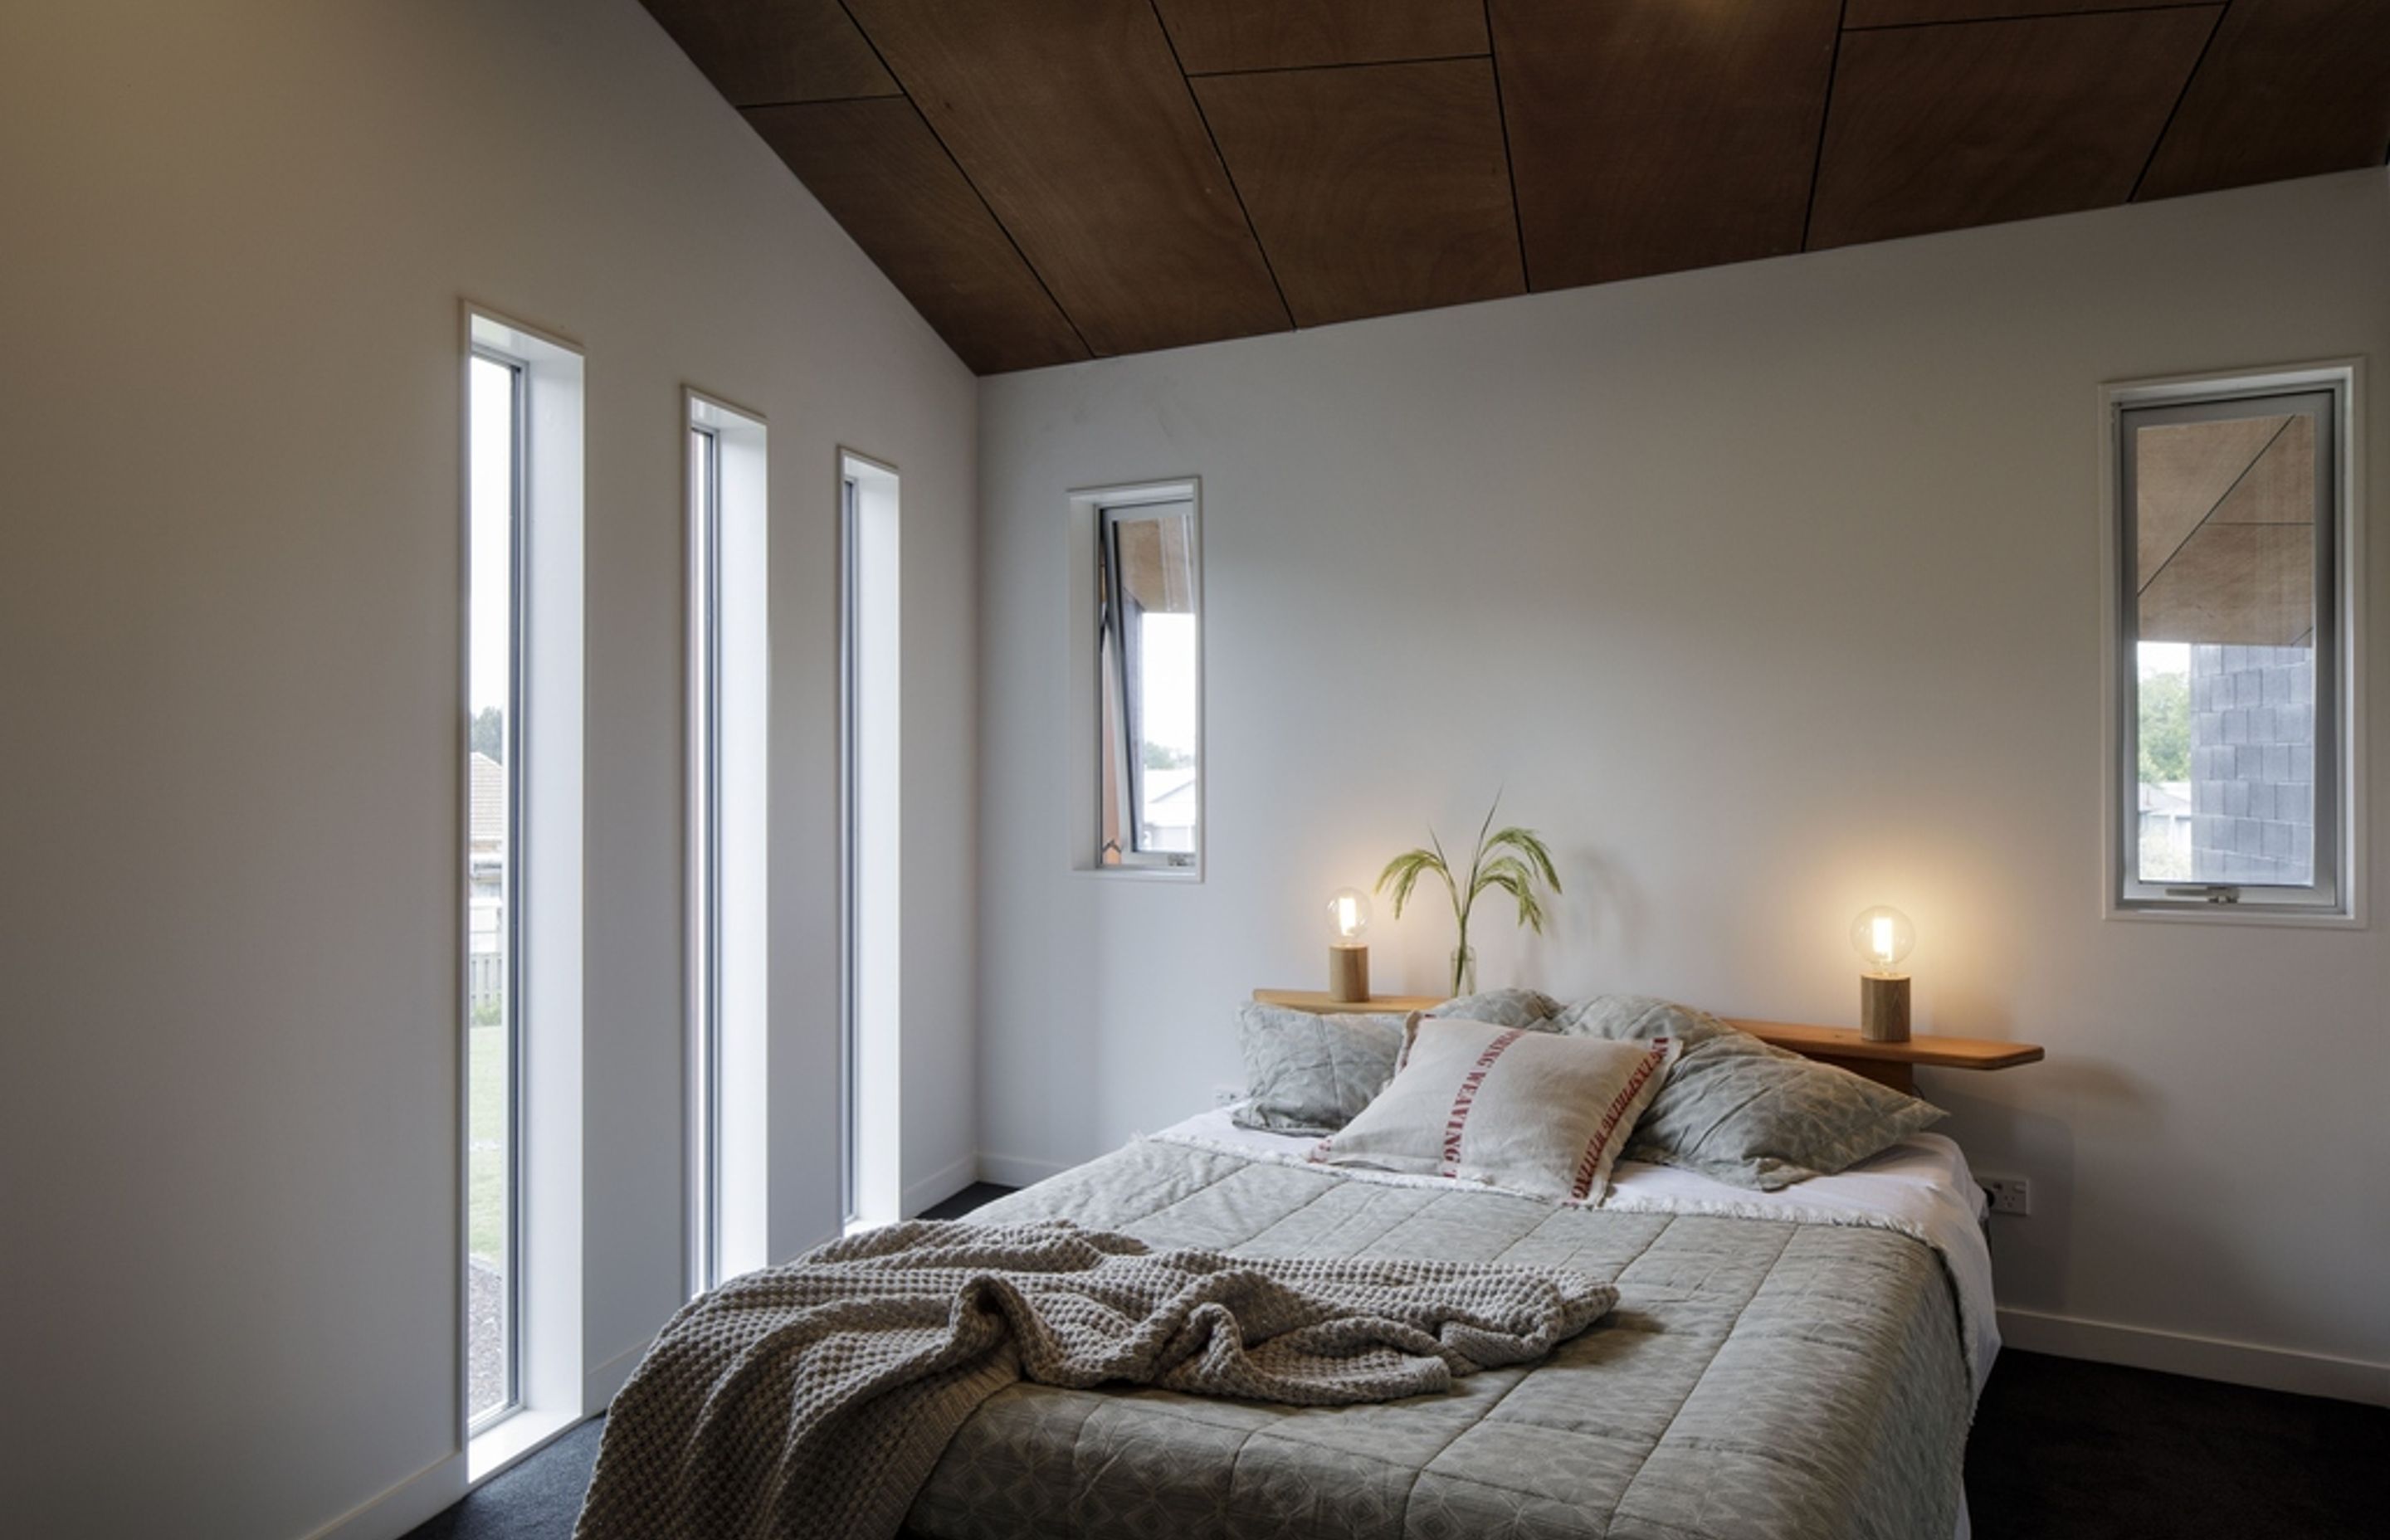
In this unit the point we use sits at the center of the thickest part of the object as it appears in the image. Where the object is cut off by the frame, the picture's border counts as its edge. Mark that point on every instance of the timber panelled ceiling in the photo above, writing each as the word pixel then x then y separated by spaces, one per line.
pixel 1051 180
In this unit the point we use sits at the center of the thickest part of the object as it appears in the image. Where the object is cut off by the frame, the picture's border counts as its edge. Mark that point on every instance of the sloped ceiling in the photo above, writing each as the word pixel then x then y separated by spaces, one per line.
pixel 1050 180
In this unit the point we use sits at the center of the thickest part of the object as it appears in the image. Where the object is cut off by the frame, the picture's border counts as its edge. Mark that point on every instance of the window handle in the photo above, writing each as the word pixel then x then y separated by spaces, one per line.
pixel 2214 892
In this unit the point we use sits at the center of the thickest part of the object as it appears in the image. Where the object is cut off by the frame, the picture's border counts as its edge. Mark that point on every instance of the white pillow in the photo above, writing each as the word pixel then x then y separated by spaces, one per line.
pixel 1530 1111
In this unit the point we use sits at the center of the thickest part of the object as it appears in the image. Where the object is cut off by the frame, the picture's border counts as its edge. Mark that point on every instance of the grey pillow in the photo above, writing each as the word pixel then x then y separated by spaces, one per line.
pixel 1308 1074
pixel 1745 1111
pixel 1504 1008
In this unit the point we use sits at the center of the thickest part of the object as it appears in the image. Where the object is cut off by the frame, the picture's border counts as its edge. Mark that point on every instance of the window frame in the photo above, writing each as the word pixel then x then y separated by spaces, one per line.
pixel 850 1056
pixel 1098 625
pixel 552 1387
pixel 2335 896
pixel 871 855
pixel 703 448
pixel 725 453
pixel 1126 658
pixel 511 930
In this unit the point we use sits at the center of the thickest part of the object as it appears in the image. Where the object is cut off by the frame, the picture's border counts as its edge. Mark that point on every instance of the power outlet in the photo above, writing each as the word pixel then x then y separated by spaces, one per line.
pixel 2009 1194
pixel 1227 1096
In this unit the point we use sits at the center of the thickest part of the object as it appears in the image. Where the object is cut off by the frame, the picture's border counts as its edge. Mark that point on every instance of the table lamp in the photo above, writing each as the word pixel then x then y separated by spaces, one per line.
pixel 1882 937
pixel 1348 955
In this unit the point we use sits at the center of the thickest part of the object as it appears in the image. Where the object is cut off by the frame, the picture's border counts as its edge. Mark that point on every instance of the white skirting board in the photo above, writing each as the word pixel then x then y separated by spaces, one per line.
pixel 1014 1170
pixel 940 1186
pixel 2200 1358
pixel 400 1508
pixel 408 1503
pixel 600 1384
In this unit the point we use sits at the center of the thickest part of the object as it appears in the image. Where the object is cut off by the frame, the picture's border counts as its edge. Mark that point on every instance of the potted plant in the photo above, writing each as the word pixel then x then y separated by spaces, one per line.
pixel 1512 859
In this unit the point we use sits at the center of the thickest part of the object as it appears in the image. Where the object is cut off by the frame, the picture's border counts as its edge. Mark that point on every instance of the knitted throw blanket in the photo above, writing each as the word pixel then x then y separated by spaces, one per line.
pixel 814 1399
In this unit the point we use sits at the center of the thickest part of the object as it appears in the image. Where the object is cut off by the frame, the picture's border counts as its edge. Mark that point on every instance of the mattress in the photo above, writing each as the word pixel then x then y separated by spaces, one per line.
pixel 1801 1369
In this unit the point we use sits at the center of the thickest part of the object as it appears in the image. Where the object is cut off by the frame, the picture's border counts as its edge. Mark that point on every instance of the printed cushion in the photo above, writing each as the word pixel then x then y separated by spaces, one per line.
pixel 1530 1111
pixel 1742 1111
pixel 1308 1074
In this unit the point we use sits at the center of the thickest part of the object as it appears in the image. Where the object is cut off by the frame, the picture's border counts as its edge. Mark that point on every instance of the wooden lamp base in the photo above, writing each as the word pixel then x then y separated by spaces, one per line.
pixel 1883 1009
pixel 1348 974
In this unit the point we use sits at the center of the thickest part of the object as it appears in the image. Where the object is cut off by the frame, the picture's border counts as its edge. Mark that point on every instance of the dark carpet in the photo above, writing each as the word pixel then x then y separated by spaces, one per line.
pixel 537 1500
pixel 964 1202
pixel 2062 1450
pixel 2089 1451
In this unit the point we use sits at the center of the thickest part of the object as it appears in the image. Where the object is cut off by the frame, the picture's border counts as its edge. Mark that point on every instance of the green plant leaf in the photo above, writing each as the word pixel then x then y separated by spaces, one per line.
pixel 1510 865
pixel 1516 860
pixel 1477 857
pixel 1403 873
pixel 1444 869
pixel 1531 844
pixel 1530 909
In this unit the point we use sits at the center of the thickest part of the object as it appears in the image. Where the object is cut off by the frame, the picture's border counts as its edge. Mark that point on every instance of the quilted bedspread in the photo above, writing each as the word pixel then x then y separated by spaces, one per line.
pixel 1758 1379
pixel 809 1401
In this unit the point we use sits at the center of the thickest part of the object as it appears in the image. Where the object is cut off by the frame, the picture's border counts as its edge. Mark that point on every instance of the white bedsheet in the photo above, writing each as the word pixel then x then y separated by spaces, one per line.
pixel 1920 1186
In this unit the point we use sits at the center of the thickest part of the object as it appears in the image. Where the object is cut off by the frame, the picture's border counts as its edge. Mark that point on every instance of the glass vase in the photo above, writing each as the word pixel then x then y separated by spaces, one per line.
pixel 1464 971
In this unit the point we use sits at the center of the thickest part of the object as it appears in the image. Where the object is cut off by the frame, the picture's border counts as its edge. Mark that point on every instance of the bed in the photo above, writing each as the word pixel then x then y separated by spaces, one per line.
pixel 1802 1364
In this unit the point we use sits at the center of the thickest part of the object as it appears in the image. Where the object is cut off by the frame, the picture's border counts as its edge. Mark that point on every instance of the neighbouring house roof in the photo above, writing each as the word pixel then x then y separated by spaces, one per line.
pixel 487 829
pixel 1170 797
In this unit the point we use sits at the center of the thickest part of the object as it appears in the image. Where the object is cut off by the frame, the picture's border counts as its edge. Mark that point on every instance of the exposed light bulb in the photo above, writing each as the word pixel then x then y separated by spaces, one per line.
pixel 1883 938
pixel 1348 915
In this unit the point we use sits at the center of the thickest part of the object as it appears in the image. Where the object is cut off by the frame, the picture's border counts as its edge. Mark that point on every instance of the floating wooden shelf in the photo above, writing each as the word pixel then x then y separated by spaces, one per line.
pixel 1946 1053
pixel 1892 1064
pixel 1320 1003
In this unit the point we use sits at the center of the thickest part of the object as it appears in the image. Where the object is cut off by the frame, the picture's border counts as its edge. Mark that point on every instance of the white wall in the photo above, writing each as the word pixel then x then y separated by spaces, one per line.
pixel 1769 593
pixel 235 243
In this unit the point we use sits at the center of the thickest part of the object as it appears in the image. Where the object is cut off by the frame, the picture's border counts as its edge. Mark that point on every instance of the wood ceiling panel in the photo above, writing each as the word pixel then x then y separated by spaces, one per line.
pixel 1375 189
pixel 1215 35
pixel 1903 13
pixel 1083 137
pixel 762 51
pixel 1941 127
pixel 882 174
pixel 1038 176
pixel 1653 135
pixel 2289 88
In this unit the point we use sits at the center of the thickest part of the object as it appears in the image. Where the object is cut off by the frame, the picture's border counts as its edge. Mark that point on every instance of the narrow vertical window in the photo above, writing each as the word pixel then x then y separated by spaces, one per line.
pixel 521 1069
pixel 705 851
pixel 2233 650
pixel 1146 584
pixel 870 846
pixel 492 889
pixel 729 724
pixel 1138 658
